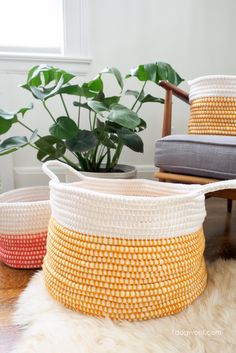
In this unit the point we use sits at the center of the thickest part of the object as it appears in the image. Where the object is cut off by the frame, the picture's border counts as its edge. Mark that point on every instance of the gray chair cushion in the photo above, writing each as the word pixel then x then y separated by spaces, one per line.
pixel 201 155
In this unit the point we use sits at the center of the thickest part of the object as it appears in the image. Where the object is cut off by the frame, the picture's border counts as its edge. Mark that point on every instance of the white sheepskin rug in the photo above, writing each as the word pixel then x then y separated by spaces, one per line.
pixel 207 326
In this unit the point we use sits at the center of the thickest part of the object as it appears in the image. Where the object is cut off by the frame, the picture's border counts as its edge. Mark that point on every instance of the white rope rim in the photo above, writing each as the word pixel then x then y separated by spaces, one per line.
pixel 25 211
pixel 124 208
pixel 213 78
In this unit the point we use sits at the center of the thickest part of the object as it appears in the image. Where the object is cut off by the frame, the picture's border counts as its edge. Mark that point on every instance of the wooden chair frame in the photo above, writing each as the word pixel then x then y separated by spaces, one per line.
pixel 163 175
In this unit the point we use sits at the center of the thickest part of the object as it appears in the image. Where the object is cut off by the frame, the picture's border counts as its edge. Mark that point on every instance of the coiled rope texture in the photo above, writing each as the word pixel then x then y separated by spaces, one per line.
pixel 126 249
pixel 125 279
pixel 213 105
pixel 24 217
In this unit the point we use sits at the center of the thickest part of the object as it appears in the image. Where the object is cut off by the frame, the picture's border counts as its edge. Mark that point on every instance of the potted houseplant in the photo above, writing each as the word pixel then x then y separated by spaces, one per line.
pixel 112 125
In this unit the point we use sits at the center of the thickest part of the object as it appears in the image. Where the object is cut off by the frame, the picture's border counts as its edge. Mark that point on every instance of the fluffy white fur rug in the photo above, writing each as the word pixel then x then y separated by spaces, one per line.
pixel 207 326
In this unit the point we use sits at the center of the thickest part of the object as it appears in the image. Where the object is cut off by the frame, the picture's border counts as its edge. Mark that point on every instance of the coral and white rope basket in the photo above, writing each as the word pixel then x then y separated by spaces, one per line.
pixel 24 217
pixel 126 249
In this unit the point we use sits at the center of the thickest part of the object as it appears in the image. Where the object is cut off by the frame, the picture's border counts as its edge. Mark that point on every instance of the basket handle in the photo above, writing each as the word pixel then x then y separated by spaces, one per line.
pixel 218 185
pixel 47 170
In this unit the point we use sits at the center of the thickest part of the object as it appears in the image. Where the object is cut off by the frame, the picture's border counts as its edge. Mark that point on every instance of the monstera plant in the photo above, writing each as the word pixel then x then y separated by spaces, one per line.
pixel 112 125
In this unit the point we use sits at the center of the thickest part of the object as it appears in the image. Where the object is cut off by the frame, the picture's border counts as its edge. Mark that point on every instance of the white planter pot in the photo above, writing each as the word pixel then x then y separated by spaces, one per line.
pixel 123 172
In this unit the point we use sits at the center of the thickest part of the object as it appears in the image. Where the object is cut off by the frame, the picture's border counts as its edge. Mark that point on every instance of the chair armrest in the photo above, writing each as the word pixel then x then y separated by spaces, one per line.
pixel 178 92
pixel 171 90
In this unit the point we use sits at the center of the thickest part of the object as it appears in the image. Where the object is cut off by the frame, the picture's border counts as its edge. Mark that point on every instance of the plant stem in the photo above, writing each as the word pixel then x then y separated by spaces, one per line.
pixel 27 127
pixel 78 123
pixel 94 156
pixel 44 104
pixel 58 159
pixel 116 155
pixel 94 121
pixel 139 107
pixel 64 104
pixel 108 158
pixel 74 154
pixel 69 162
pixel 33 146
pixel 100 160
pixel 101 152
pixel 139 95
pixel 90 121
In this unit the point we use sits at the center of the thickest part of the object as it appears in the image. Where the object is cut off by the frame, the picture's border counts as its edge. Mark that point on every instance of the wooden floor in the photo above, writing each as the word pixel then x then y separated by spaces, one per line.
pixel 220 231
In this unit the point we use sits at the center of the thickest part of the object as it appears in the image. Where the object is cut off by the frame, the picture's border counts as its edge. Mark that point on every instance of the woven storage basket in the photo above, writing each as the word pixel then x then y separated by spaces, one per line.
pixel 213 105
pixel 24 217
pixel 126 249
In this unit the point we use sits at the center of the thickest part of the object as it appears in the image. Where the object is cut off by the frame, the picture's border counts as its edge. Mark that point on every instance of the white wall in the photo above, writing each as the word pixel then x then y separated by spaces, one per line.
pixel 196 37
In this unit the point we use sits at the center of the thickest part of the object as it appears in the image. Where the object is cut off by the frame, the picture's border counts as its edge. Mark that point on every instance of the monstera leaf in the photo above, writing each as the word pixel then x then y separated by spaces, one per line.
pixel 114 71
pixel 46 81
pixel 50 147
pixel 156 72
pixel 12 144
pixel 84 141
pixel 64 128
pixel 123 116
pixel 131 139
pixel 7 119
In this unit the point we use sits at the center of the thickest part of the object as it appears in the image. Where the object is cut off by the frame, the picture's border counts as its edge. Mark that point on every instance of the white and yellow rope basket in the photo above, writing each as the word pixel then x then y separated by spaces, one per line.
pixel 213 105
pixel 126 249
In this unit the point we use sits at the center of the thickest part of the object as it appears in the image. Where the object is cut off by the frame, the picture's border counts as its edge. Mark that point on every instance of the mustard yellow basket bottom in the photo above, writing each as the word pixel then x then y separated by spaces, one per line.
pixel 213 116
pixel 124 279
